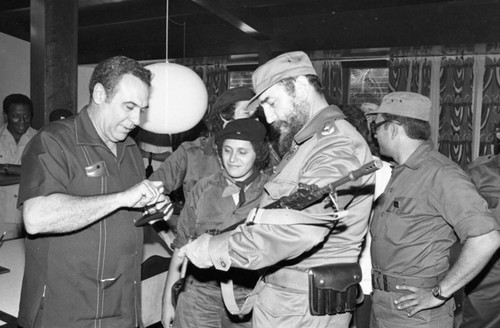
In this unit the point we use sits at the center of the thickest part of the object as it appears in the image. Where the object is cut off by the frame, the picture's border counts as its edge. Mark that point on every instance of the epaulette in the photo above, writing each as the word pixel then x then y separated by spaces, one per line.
pixel 328 128
pixel 481 160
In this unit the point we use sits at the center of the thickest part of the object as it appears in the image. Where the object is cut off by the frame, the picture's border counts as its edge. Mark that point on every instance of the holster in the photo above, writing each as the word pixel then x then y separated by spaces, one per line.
pixel 334 288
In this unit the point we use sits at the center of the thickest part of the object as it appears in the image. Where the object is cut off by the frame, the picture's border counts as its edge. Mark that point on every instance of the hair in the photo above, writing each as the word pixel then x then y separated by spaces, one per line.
pixel 16 98
pixel 289 84
pixel 109 73
pixel 357 118
pixel 214 121
pixel 261 150
pixel 414 128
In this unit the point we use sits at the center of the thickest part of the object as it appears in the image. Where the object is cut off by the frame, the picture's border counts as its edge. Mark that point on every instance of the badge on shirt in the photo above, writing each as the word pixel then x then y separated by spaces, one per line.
pixel 96 170
pixel 328 129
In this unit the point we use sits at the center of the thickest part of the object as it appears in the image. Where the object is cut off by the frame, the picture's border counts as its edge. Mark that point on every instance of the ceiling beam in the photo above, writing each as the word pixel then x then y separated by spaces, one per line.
pixel 252 26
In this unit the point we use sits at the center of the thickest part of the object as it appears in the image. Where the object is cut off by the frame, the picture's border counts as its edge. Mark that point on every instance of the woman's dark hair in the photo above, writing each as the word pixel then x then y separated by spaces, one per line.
pixel 261 150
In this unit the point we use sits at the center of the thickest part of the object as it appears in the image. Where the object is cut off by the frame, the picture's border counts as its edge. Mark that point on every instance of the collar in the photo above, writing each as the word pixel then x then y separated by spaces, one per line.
pixel 86 134
pixel 235 187
pixel 317 123
pixel 419 155
pixel 3 131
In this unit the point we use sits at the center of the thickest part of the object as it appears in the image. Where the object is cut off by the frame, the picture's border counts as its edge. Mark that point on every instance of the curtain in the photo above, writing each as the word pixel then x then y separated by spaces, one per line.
pixel 455 119
pixel 410 74
pixel 331 77
pixel 490 114
pixel 217 82
pixel 398 74
pixel 200 71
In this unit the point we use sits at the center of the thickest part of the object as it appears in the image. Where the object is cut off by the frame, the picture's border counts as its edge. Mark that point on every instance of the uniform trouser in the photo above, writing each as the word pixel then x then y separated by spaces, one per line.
pixel 201 305
pixel 278 306
pixel 384 313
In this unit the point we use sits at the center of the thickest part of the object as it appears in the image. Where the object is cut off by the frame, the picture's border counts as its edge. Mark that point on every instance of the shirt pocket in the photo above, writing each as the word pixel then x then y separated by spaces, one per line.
pixel 402 218
pixel 110 301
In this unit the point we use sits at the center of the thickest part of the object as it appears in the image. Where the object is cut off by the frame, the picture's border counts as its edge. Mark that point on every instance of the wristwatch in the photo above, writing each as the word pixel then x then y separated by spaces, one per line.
pixel 436 292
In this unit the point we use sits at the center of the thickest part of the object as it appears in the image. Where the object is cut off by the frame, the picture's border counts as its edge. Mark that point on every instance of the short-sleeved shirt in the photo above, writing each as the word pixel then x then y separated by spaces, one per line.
pixel 188 164
pixel 90 277
pixel 427 201
pixel 10 153
pixel 485 173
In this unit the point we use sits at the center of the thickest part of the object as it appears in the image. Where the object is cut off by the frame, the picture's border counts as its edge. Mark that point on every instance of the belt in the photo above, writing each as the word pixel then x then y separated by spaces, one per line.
pixel 288 278
pixel 388 283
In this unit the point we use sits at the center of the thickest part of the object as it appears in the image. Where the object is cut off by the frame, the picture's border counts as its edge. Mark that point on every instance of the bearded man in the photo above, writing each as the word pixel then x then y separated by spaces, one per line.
pixel 321 147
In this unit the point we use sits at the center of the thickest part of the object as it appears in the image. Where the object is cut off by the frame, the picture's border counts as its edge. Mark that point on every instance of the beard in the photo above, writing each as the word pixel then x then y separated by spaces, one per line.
pixel 288 128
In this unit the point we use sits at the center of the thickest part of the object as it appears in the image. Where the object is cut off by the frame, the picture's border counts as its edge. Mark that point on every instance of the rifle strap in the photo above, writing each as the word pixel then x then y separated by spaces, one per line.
pixel 230 301
pixel 290 219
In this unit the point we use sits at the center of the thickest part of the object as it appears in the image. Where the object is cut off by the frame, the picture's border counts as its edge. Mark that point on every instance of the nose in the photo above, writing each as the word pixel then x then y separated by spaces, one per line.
pixel 233 157
pixel 269 113
pixel 135 116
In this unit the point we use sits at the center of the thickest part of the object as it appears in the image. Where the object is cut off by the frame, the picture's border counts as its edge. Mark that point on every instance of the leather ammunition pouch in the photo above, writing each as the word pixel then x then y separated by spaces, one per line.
pixel 334 288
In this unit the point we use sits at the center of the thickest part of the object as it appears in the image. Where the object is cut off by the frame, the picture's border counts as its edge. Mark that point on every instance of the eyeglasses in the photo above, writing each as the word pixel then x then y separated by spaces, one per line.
pixel 374 126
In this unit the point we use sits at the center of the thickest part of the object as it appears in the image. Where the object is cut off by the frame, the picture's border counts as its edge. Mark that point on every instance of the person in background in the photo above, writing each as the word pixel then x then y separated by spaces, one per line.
pixel 428 203
pixel 14 136
pixel 82 186
pixel 357 118
pixel 59 114
pixel 482 294
pixel 216 203
pixel 194 160
pixel 321 148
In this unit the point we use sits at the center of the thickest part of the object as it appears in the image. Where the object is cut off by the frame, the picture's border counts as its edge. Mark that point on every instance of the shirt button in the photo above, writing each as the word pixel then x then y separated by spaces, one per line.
pixel 223 264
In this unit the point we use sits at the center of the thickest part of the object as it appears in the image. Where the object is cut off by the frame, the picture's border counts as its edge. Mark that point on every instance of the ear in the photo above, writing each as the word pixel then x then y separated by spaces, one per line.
pixel 302 87
pixel 395 129
pixel 99 94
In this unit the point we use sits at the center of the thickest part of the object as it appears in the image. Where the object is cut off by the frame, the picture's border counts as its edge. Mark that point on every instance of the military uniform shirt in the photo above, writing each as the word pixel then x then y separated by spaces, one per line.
pixel 428 199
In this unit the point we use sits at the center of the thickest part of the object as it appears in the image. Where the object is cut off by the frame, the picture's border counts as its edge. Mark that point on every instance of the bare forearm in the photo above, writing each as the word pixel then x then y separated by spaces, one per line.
pixel 174 273
pixel 475 254
pixel 59 213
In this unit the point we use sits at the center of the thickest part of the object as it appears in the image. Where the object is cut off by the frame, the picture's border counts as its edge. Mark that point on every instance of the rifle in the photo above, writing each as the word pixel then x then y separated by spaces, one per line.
pixel 304 196
pixel 307 195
